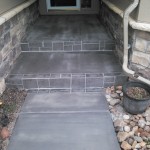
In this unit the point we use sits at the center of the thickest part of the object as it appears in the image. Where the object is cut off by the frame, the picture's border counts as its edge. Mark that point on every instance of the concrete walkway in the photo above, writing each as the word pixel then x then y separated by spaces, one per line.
pixel 63 121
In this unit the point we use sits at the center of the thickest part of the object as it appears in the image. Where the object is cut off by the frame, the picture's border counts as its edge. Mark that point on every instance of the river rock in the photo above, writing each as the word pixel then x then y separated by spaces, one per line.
pixel 122 136
pixel 148 146
pixel 118 92
pixel 119 123
pixel 108 90
pixel 141 123
pixel 147 112
pixel 132 123
pixel 130 141
pixel 126 117
pixel 142 144
pixel 134 144
pixel 135 129
pixel 127 129
pixel 138 139
pixel 114 95
pixel 148 123
pixel 147 128
pixel 114 102
pixel 125 145
pixel 121 94
pixel 148 118
pixel 137 146
pixel 119 129
pixel 119 88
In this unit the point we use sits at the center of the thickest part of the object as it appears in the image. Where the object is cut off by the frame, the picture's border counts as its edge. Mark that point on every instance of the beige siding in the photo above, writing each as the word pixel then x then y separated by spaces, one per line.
pixel 144 11
pixel 6 5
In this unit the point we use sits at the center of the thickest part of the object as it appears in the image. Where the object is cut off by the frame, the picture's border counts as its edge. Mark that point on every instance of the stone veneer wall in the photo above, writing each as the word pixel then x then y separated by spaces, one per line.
pixel 11 33
pixel 139 51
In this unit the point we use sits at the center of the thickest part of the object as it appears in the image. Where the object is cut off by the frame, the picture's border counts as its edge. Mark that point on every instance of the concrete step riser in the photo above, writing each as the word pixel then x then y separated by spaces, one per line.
pixel 66 82
pixel 67 46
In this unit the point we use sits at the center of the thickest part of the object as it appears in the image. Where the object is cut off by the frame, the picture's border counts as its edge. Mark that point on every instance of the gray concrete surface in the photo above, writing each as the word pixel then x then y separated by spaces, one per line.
pixel 68 27
pixel 86 62
pixel 76 102
pixel 65 130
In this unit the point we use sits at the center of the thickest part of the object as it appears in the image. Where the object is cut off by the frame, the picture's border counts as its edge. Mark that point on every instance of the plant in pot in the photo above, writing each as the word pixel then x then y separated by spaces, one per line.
pixel 136 97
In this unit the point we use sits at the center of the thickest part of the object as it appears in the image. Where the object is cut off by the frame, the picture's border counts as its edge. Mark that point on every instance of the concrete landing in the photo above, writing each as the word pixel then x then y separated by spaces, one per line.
pixel 64 121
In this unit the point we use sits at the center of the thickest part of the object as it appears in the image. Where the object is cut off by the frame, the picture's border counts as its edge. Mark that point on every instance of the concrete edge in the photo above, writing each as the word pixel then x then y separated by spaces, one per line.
pixel 9 14
pixel 132 22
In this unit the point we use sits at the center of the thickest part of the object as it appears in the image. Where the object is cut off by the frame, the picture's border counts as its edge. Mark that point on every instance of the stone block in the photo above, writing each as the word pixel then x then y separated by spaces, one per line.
pixel 148 47
pixel 7 26
pixel 140 58
pixel 7 38
pixel 140 44
pixel 2 85
pixel 1 30
pixel 1 43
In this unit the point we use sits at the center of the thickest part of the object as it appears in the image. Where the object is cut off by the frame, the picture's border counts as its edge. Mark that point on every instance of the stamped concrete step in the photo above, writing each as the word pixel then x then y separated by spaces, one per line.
pixel 66 72
pixel 47 45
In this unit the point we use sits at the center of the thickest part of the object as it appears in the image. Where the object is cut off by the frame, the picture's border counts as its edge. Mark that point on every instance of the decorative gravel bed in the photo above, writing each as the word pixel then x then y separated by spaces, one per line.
pixel 10 105
pixel 133 131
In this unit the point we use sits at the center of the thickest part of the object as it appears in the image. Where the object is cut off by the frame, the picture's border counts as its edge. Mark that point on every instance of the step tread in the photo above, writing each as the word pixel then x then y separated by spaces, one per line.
pixel 65 103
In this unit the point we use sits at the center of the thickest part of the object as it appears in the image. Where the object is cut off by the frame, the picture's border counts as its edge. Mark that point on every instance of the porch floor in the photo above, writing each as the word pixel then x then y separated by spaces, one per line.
pixel 68 28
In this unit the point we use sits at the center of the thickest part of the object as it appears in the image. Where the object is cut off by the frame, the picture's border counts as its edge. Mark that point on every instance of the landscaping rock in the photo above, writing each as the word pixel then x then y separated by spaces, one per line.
pixel 125 145
pixel 122 136
pixel 119 123
pixel 126 117
pixel 119 88
pixel 130 141
pixel 127 129
pixel 142 144
pixel 133 131
pixel 148 146
pixel 114 95
pixel 114 102
pixel 5 133
pixel 134 144
pixel 137 146
pixel 138 139
pixel 141 123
